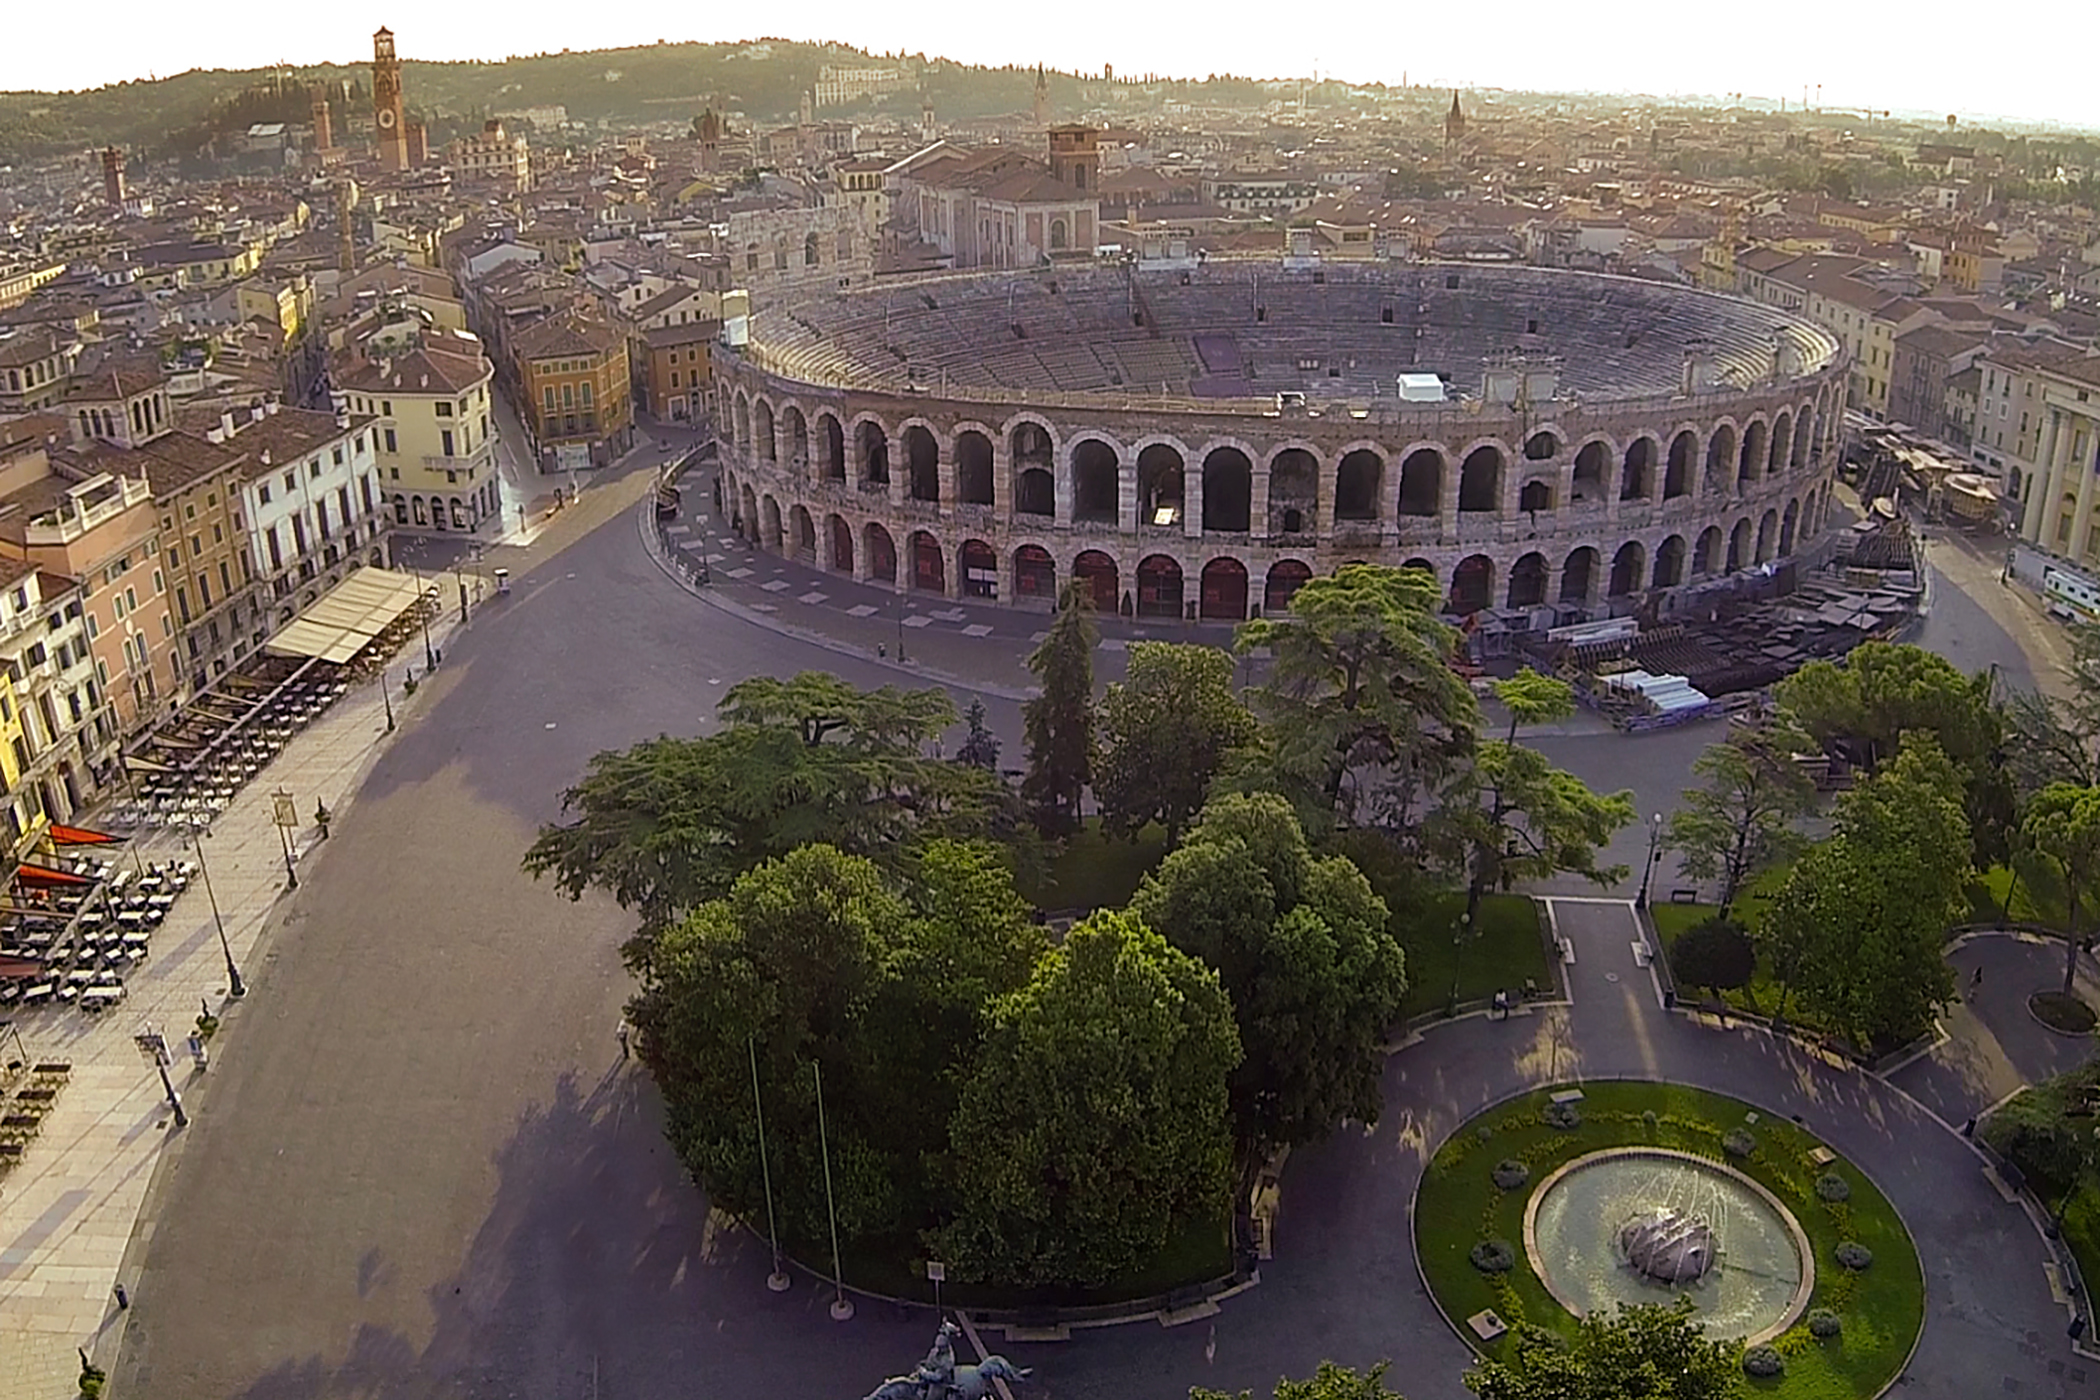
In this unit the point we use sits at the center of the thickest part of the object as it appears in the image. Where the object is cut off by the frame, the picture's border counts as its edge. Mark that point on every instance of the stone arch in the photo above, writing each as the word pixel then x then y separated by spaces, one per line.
pixel 929 568
pixel 973 468
pixel 1286 577
pixel 1358 484
pixel 1422 482
pixel 1592 462
pixel 1228 490
pixel 1767 536
pixel 796 429
pixel 809 250
pixel 1720 458
pixel 1541 446
pixel 841 543
pixel 1706 555
pixel 1030 442
pixel 1294 492
pixel 1669 563
pixel 1741 543
pixel 977 569
pixel 1420 563
pixel 1627 567
pixel 1637 471
pixel 1096 472
pixel 1480 479
pixel 881 553
pixel 1473 584
pixel 1096 573
pixel 1527 581
pixel 773 537
pixel 1788 524
pixel 1222 593
pixel 1752 461
pixel 871 452
pixel 1677 476
pixel 750 514
pixel 763 441
pixel 1159 586
pixel 1035 573
pixel 740 420
pixel 418 510
pixel 1035 493
pixel 1161 485
pixel 1782 444
pixel 1804 434
pixel 1535 496
pixel 922 462
pixel 804 534
pixel 831 448
pixel 1578 575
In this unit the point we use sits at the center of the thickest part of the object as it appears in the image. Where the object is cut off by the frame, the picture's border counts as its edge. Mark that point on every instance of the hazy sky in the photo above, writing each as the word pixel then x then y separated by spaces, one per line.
pixel 2028 61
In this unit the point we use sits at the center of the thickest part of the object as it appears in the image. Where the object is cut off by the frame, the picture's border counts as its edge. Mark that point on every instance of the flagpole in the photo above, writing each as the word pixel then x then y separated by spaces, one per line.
pixel 778 1280
pixel 841 1305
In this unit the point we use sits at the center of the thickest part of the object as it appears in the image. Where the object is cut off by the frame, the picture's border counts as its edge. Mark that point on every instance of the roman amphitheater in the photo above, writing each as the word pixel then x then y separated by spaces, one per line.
pixel 1196 440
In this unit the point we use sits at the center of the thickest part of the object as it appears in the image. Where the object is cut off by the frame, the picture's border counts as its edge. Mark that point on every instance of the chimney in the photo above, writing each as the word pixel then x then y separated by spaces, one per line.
pixel 272 407
pixel 342 418
pixel 255 413
pixel 226 428
pixel 266 456
pixel 215 434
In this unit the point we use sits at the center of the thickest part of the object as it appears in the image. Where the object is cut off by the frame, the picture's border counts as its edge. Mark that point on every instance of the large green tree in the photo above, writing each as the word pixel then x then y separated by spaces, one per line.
pixel 1302 947
pixel 1857 928
pixel 1740 819
pixel 1095 1127
pixel 1058 722
pixel 1364 714
pixel 1330 1382
pixel 2062 824
pixel 669 824
pixel 2047 1130
pixel 1654 1352
pixel 1162 733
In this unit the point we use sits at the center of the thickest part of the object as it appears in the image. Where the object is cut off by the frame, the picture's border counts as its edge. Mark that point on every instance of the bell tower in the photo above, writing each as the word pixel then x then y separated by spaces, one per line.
pixel 387 117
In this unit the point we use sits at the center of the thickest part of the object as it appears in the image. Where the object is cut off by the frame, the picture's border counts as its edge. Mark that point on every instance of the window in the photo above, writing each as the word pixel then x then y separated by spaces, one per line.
pixel 93 630
pixel 586 393
pixel 262 492
pixel 446 437
pixel 158 586
pixel 547 397
pixel 313 468
pixel 291 482
pixel 338 459
pixel 386 408
pixel 444 410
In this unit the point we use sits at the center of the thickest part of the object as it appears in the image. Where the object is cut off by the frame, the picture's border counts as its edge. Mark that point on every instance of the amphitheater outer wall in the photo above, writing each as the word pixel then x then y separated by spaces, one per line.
pixel 1178 513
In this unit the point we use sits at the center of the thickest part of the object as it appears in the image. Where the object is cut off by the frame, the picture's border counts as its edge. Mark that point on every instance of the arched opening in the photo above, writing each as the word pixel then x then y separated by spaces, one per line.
pixel 1535 496
pixel 809 251
pixel 805 535
pixel 1030 445
pixel 1357 483
pixel 1740 543
pixel 1159 587
pixel 1677 475
pixel 1472 584
pixel 1782 443
pixel 762 421
pixel 1669 562
pixel 1578 577
pixel 1804 431
pixel 1160 487
pixel 1627 567
pixel 770 511
pixel 1419 563
pixel 1767 536
pixel 1706 555
pixel 1527 581
pixel 1094 482
pixel 1753 457
pixel 1422 482
pixel 1096 573
pixel 1035 493
pixel 1720 459
pixel 841 544
pixel 740 421
pixel 1058 237
pixel 1224 590
pixel 1286 577
pixel 1480 480
pixel 973 468
pixel 881 554
pixel 749 528
pixel 872 447
pixel 1787 525
pixel 421 517
pixel 1035 573
pixel 797 432
pixel 978 567
pixel 922 458
pixel 831 449
pixel 400 510
pixel 928 569
pixel 1540 447
pixel 1591 463
pixel 1228 491
pixel 1294 491
pixel 1637 474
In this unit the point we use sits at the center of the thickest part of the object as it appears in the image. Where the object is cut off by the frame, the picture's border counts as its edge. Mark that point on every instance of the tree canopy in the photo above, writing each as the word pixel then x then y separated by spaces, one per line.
pixel 1058 722
pixel 1655 1352
pixel 1740 819
pixel 1163 731
pixel 1331 1382
pixel 1301 945
pixel 2062 824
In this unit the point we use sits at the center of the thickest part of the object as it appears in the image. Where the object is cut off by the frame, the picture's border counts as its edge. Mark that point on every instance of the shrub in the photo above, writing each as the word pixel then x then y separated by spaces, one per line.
pixel 1714 953
pixel 1764 1362
pixel 1824 1324
pixel 1740 1142
pixel 2033 1131
pixel 1510 1174
pixel 1833 1188
pixel 1494 1256
pixel 1565 1116
pixel 1854 1255
pixel 1484 1132
pixel 1650 1120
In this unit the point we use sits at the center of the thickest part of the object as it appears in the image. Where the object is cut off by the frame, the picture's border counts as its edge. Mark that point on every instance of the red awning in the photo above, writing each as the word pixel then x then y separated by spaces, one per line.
pixel 13 968
pixel 44 875
pixel 81 836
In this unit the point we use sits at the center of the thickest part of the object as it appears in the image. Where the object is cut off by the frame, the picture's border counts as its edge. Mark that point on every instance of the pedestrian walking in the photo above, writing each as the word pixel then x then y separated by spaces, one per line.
pixel 123 1298
pixel 623 1032
pixel 200 1052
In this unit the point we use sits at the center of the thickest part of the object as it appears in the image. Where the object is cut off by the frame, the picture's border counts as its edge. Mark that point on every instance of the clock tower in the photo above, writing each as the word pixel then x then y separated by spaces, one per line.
pixel 387 119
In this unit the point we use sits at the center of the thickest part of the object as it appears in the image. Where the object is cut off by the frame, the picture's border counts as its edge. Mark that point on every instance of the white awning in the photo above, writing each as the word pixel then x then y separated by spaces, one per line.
pixel 343 621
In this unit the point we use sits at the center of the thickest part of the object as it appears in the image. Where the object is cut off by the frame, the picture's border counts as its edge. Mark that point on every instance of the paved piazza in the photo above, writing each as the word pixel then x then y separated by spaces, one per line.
pixel 417 1167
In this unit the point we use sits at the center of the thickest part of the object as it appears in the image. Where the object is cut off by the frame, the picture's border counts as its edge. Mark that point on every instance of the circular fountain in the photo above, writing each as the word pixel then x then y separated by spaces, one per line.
pixel 1641 1224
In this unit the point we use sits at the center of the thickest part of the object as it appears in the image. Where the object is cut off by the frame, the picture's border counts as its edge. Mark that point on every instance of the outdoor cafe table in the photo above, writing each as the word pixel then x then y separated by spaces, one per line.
pixel 102 996
pixel 135 940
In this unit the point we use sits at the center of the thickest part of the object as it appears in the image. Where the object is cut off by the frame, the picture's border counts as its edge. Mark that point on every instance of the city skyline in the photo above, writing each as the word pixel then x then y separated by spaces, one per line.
pixel 1642 50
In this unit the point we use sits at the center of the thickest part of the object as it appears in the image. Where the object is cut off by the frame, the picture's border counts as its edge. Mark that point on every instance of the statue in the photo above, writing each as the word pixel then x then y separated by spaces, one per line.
pixel 939 1378
pixel 1668 1247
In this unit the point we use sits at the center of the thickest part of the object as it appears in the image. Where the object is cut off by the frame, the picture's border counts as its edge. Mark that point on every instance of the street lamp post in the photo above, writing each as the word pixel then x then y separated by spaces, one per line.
pixel 1655 831
pixel 286 818
pixel 234 985
pixel 386 698
pixel 430 660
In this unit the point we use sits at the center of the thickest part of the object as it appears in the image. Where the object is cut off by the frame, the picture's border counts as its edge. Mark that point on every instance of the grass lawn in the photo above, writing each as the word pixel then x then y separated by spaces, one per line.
pixel 1761 997
pixel 1504 950
pixel 1459 1205
pixel 1202 1251
pixel 2039 897
pixel 1098 872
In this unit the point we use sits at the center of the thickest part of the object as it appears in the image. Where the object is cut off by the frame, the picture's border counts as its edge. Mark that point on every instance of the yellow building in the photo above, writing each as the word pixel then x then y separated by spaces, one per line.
pixel 574 395
pixel 429 388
